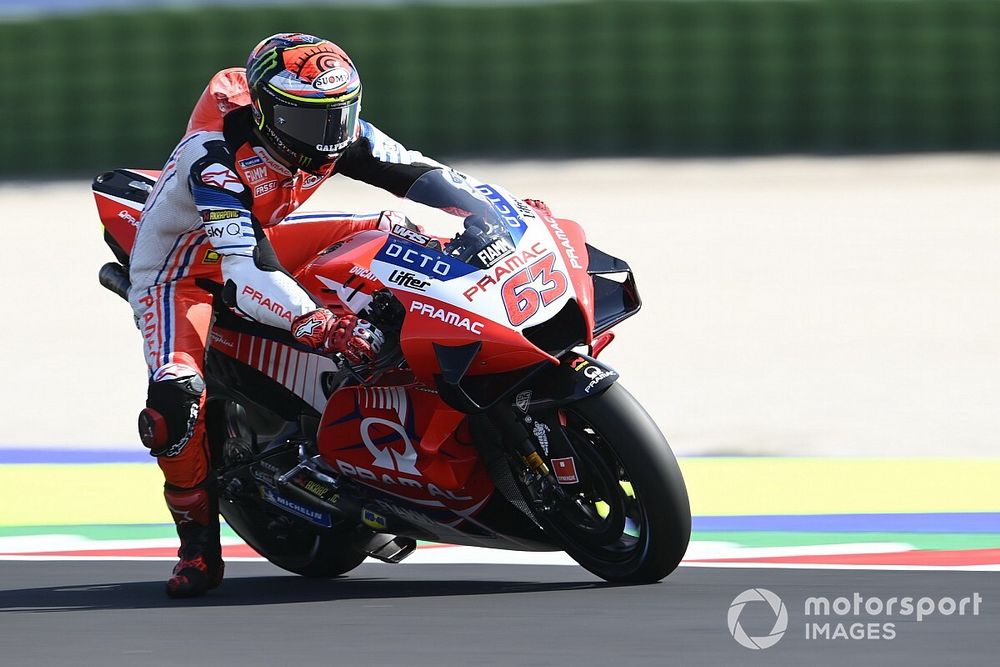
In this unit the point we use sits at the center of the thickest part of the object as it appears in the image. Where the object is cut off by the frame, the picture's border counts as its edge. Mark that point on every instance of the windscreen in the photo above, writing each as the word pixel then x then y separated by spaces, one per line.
pixel 484 237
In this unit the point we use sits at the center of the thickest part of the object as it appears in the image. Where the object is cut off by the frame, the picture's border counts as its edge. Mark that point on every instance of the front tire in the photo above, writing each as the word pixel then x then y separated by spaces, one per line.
pixel 631 480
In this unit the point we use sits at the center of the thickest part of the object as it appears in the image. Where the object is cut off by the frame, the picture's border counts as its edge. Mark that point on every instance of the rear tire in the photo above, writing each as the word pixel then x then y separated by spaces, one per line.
pixel 289 543
pixel 612 432
pixel 298 549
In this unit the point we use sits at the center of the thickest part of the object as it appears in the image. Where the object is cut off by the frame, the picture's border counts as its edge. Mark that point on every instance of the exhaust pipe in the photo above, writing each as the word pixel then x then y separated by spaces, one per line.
pixel 114 277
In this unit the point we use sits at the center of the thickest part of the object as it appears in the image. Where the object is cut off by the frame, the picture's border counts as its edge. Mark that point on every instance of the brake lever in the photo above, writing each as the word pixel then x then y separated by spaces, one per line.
pixel 368 372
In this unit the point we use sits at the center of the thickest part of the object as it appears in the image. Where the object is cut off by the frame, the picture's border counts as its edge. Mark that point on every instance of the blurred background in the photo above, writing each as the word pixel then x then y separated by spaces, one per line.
pixel 806 191
pixel 91 83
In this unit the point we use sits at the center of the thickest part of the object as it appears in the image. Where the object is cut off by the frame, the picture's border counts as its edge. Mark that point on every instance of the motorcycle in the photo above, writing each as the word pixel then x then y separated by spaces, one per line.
pixel 486 420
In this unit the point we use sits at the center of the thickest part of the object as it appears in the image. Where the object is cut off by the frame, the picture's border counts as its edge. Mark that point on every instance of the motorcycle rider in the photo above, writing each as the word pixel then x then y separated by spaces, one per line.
pixel 259 143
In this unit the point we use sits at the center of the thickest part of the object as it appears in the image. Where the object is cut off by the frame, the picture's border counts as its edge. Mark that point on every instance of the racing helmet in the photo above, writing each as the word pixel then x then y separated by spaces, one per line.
pixel 305 96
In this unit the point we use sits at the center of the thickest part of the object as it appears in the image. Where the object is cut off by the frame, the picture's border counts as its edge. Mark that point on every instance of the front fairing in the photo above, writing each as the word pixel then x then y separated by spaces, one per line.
pixel 500 280
pixel 513 285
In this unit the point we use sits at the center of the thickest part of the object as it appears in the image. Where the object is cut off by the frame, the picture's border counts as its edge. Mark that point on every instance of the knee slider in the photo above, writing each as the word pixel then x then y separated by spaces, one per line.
pixel 173 407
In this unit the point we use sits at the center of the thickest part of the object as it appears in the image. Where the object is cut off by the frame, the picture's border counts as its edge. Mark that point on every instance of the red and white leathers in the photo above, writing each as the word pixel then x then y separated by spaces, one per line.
pixel 214 214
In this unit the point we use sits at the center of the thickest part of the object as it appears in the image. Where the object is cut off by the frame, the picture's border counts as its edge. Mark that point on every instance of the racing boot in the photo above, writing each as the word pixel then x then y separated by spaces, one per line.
pixel 200 569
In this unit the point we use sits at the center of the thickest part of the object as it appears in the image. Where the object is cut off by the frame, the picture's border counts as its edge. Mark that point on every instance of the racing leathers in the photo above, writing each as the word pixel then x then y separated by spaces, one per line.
pixel 214 213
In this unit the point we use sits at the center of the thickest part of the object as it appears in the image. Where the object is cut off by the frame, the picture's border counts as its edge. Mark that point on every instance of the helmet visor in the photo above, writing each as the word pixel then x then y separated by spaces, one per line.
pixel 327 130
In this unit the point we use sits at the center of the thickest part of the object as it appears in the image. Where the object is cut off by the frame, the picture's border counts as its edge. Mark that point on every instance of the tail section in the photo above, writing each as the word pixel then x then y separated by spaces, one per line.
pixel 120 196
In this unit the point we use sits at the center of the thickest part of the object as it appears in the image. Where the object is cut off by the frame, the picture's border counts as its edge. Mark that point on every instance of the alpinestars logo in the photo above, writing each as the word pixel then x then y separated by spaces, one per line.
pixel 220 176
pixel 307 328
pixel 180 516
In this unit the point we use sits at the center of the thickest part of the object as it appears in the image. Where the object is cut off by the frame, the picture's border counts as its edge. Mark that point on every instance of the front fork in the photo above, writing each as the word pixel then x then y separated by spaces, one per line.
pixel 531 422
pixel 513 432
pixel 546 494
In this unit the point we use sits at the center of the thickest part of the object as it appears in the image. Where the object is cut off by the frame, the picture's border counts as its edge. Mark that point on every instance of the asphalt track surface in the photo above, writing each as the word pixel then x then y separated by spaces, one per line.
pixel 114 613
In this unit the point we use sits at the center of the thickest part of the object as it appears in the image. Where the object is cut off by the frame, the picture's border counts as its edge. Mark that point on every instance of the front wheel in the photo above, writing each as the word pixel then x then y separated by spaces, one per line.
pixel 629 519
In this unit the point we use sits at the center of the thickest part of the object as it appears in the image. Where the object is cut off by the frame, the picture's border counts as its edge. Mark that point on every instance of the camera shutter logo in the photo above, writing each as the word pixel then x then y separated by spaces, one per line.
pixel 780 618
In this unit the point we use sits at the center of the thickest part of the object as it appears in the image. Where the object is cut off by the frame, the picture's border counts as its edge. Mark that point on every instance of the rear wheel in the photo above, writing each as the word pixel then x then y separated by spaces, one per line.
pixel 629 519
pixel 289 543
pixel 291 546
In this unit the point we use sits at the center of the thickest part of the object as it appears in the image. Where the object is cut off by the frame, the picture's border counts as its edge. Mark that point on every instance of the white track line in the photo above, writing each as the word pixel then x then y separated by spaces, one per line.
pixel 747 566
pixel 454 555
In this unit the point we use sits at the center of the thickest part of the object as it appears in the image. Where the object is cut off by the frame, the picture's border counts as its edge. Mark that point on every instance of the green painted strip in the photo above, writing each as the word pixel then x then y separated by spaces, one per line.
pixel 918 540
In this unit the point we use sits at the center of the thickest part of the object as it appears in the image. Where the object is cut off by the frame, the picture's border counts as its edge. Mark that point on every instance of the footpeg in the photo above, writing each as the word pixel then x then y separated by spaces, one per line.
pixel 388 548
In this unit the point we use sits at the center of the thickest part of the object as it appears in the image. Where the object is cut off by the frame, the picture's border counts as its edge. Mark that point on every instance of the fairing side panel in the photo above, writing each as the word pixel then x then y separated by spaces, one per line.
pixel 405 441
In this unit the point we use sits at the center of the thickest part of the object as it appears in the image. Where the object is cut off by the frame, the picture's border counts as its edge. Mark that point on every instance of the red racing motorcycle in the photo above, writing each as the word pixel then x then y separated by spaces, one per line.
pixel 487 419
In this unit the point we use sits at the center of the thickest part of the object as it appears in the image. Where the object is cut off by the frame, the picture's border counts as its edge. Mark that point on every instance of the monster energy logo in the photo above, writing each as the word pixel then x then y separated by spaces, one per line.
pixel 262 67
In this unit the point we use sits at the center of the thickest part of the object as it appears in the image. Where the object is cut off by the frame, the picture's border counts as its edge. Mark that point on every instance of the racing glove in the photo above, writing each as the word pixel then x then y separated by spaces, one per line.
pixel 539 204
pixel 358 340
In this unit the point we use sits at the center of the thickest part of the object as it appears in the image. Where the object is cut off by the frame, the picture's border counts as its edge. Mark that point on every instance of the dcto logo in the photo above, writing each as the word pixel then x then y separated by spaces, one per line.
pixel 777 607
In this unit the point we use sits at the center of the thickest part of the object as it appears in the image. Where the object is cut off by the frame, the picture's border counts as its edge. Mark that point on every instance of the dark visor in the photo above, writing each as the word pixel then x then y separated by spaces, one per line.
pixel 327 130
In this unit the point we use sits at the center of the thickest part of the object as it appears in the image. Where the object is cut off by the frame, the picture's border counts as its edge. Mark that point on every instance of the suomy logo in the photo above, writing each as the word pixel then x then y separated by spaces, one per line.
pixel 332 79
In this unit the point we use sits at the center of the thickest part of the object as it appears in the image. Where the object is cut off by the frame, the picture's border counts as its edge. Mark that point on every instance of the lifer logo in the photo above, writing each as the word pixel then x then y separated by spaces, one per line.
pixel 777 608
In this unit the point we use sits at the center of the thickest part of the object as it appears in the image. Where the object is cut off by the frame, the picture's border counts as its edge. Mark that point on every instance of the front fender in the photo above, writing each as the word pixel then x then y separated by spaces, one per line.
pixel 577 377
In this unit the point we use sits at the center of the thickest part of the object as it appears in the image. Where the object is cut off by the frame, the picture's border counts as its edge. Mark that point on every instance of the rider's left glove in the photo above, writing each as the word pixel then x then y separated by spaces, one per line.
pixel 357 339
pixel 539 204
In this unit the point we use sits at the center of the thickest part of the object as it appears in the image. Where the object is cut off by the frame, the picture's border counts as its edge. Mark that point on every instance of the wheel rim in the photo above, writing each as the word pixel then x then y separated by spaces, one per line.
pixel 621 531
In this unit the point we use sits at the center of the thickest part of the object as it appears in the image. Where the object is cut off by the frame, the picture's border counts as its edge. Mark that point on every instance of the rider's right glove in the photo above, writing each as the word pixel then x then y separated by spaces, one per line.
pixel 358 340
